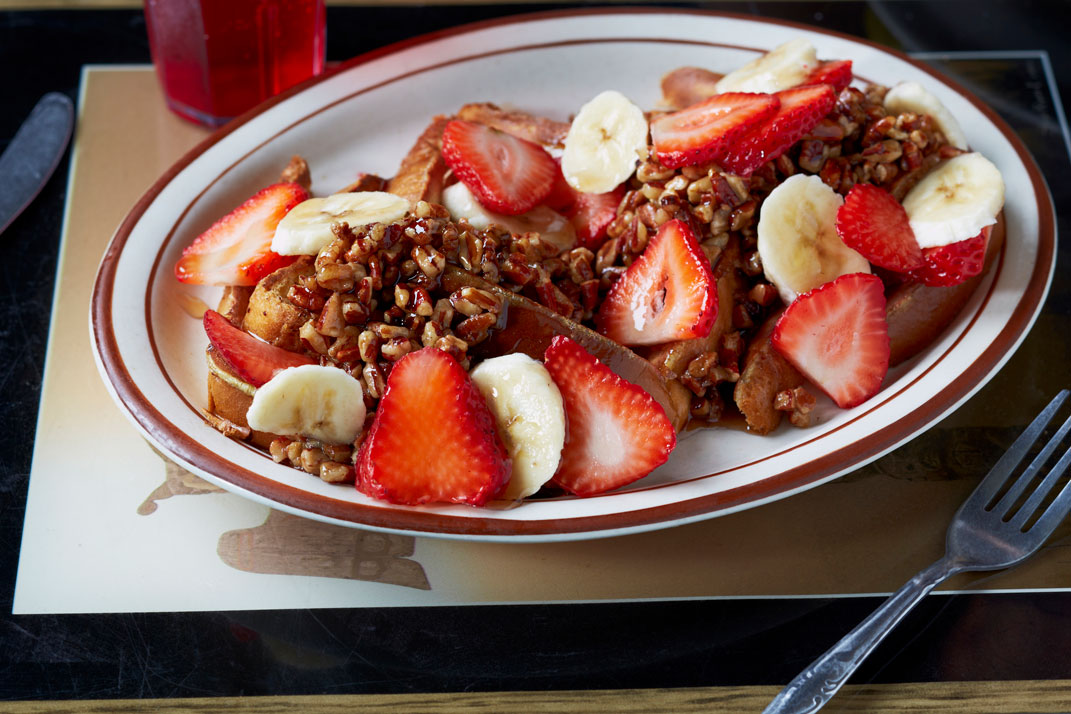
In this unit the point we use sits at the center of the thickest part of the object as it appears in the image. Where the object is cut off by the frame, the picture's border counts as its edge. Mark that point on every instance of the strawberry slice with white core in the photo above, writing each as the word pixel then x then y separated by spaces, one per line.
pixel 253 360
pixel 704 131
pixel 668 293
pixel 952 264
pixel 590 213
pixel 801 108
pixel 836 335
pixel 617 432
pixel 562 196
pixel 507 174
pixel 433 439
pixel 236 249
pixel 873 223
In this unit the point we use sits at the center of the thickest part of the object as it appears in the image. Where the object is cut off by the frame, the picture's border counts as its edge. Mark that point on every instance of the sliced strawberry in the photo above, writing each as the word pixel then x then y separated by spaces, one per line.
pixel 951 264
pixel 507 174
pixel 617 432
pixel 800 109
pixel 668 293
pixel 253 360
pixel 433 438
pixel 872 222
pixel 837 73
pixel 592 214
pixel 836 335
pixel 706 130
pixel 562 196
pixel 236 249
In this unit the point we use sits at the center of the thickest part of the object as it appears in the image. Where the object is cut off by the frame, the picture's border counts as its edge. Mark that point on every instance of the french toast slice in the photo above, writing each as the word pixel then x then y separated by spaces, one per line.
pixel 539 130
pixel 764 375
pixel 918 313
pixel 229 398
pixel 915 313
pixel 270 314
pixel 686 86
pixel 234 303
pixel 420 175
pixel 263 311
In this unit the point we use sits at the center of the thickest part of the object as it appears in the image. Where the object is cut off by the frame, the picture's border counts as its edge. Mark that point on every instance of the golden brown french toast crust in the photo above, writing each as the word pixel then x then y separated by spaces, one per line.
pixel 270 313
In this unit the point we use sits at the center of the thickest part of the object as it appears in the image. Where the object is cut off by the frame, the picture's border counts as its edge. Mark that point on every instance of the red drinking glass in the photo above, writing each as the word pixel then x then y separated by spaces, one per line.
pixel 218 58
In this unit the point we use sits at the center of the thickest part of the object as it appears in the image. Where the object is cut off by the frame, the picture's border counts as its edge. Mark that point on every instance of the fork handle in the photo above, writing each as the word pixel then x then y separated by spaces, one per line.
pixel 817 684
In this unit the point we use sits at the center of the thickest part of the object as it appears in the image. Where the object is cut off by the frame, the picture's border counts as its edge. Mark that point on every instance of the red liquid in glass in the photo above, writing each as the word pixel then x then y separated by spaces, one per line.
pixel 218 58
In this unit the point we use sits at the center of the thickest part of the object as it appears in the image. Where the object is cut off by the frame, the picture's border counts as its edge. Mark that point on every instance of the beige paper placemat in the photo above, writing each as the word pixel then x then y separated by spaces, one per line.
pixel 112 527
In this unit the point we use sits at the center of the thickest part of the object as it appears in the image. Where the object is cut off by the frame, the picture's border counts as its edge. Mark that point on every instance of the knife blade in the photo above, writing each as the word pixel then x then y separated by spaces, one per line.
pixel 32 156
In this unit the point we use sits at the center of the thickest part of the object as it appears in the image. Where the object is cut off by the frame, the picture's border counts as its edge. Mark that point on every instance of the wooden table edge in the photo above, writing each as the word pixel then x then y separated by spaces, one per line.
pixel 989 697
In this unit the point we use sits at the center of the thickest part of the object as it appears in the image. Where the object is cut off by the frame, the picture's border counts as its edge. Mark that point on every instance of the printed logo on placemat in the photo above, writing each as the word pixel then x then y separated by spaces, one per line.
pixel 290 545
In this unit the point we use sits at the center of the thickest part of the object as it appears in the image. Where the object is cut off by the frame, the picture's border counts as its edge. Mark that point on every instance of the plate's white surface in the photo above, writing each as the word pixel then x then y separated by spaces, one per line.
pixel 365 117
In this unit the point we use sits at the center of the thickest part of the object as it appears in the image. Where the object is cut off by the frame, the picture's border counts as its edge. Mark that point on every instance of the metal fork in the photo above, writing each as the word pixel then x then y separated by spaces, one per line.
pixel 981 537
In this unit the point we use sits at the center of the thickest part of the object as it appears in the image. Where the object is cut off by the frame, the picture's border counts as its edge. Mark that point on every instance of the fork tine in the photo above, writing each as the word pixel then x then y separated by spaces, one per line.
pixel 997 476
pixel 1020 485
pixel 1042 490
pixel 1057 510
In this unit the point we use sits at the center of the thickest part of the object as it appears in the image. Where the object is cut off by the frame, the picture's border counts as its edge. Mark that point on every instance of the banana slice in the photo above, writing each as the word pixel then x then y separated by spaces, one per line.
pixel 552 226
pixel 530 415
pixel 318 402
pixel 307 227
pixel 604 143
pixel 913 97
pixel 785 66
pixel 955 201
pixel 797 237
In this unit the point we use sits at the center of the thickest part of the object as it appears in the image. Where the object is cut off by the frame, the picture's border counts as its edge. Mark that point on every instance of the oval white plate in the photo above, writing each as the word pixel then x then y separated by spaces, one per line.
pixel 365 117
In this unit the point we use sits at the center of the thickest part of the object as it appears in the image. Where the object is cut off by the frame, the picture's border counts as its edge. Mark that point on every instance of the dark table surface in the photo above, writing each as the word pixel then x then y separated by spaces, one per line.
pixel 522 647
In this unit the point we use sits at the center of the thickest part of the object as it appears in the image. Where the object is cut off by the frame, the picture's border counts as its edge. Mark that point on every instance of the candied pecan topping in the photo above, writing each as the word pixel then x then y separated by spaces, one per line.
pixel 375 292
pixel 857 142
pixel 331 462
pixel 297 171
pixel 226 427
pixel 798 402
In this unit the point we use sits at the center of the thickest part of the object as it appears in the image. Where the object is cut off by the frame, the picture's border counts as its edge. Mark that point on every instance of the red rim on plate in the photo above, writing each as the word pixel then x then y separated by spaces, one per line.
pixel 184 448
